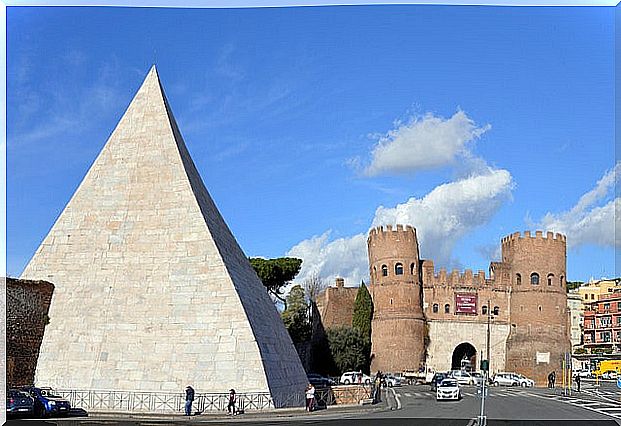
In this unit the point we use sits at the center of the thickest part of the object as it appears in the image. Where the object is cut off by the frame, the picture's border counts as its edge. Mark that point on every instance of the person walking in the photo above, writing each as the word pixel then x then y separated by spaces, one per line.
pixel 550 380
pixel 553 378
pixel 578 382
pixel 232 400
pixel 310 397
pixel 189 397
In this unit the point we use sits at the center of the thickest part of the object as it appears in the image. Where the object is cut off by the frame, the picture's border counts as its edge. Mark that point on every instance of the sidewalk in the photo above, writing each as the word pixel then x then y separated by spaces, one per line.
pixel 276 413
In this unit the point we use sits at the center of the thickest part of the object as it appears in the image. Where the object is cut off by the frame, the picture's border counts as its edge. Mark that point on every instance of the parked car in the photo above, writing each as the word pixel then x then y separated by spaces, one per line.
pixel 392 380
pixel 505 379
pixel 585 374
pixel 19 403
pixel 47 403
pixel 354 377
pixel 524 381
pixel 448 389
pixel 319 380
pixel 436 379
pixel 478 378
pixel 462 377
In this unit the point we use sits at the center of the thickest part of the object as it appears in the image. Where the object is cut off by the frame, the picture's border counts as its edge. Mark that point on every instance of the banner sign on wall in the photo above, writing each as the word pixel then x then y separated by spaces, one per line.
pixel 465 303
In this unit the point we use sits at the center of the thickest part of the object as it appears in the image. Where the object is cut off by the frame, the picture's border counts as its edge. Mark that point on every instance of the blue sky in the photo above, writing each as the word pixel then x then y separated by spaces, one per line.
pixel 310 125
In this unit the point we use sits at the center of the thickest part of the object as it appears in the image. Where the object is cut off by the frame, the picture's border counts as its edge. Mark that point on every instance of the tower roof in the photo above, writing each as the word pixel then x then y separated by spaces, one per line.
pixel 148 274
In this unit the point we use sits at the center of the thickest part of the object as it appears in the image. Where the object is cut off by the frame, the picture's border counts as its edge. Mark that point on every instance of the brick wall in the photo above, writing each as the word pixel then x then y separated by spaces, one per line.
pixel 336 306
pixel 28 303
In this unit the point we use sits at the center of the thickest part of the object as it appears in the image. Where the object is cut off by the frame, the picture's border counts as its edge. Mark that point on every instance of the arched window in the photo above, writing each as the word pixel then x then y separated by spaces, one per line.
pixel 375 272
pixel 518 279
pixel 412 268
pixel 496 310
pixel 550 277
pixel 384 271
pixel 562 277
pixel 534 278
pixel 399 269
pixel 435 308
pixel 447 309
pixel 484 310
pixel 391 301
pixel 539 308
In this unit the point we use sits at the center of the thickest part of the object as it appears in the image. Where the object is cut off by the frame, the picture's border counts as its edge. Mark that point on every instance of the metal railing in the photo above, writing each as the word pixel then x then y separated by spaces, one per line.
pixel 163 402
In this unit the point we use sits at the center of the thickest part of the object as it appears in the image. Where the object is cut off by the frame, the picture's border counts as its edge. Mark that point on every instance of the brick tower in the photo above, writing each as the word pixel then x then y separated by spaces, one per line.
pixel 538 335
pixel 398 327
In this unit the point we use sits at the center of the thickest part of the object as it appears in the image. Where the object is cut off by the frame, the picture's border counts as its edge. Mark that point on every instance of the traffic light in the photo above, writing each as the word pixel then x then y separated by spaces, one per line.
pixel 484 365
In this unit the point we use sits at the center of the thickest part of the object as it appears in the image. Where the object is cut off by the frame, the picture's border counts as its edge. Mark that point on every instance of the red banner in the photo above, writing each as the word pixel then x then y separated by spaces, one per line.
pixel 466 303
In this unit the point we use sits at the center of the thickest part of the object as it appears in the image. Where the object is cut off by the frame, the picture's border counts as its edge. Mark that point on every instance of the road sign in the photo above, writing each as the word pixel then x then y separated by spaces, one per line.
pixel 619 382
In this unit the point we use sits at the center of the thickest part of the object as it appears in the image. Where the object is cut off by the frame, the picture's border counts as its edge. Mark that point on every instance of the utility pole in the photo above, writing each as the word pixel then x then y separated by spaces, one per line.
pixel 482 420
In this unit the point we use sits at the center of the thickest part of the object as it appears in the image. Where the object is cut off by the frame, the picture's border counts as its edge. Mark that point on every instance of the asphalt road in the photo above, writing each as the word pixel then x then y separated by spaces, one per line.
pixel 416 405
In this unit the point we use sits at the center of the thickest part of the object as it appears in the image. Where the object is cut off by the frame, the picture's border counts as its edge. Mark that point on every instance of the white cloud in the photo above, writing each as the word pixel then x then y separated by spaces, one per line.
pixel 424 143
pixel 450 211
pixel 442 218
pixel 343 257
pixel 592 220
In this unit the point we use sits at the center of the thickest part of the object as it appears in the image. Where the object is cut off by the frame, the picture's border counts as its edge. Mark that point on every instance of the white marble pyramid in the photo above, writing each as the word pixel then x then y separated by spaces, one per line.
pixel 152 290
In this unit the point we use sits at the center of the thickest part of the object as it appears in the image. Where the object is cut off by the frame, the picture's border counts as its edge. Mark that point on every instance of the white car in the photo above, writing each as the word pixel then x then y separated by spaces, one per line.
pixel 392 380
pixel 524 381
pixel 355 377
pixel 448 389
pixel 610 375
pixel 462 377
pixel 505 379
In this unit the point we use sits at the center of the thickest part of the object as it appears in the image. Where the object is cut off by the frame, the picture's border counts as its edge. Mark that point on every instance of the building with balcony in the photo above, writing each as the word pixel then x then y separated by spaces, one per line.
pixel 602 324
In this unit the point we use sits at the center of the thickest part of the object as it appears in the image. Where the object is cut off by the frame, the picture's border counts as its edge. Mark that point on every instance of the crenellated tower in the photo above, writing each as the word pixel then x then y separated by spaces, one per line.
pixel 539 333
pixel 398 326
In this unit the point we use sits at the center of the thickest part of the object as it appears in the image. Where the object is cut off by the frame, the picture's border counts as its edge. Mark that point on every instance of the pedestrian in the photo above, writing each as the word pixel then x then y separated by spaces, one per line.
pixel 553 378
pixel 189 397
pixel 310 397
pixel 232 400
pixel 578 382
pixel 550 380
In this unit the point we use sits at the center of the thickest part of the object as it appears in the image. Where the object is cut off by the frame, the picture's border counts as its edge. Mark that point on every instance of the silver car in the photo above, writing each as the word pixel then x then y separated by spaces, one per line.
pixel 462 377
pixel 505 379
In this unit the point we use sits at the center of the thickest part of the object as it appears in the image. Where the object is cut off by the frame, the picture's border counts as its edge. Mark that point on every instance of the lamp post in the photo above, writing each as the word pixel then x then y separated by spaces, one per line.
pixel 482 420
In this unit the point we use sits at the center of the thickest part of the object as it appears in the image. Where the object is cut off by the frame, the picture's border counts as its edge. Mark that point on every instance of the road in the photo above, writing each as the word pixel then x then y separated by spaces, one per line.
pixel 416 405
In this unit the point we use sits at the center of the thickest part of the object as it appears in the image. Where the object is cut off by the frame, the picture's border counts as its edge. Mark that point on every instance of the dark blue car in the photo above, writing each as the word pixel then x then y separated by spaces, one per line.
pixel 47 403
pixel 18 403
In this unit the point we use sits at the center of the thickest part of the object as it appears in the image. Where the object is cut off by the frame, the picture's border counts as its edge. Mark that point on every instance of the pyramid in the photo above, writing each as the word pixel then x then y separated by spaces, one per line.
pixel 153 292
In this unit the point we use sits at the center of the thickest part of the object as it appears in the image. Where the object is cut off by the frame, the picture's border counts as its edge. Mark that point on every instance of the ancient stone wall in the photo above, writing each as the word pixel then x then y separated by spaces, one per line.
pixel 398 327
pixel 336 305
pixel 539 334
pixel 28 303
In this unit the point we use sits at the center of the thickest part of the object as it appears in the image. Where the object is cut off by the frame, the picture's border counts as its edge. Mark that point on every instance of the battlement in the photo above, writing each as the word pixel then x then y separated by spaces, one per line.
pixel 454 278
pixel 388 231
pixel 549 237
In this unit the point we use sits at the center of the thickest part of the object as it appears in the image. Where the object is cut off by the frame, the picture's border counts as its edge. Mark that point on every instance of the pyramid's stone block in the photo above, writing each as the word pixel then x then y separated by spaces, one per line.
pixel 152 290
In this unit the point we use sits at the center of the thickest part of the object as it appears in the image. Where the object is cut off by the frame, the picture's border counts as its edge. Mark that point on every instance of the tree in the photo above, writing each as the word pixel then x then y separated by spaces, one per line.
pixel 313 285
pixel 295 316
pixel 276 273
pixel 363 311
pixel 348 348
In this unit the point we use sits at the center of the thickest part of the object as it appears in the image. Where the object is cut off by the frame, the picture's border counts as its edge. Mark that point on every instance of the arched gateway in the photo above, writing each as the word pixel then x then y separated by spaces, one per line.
pixel 464 357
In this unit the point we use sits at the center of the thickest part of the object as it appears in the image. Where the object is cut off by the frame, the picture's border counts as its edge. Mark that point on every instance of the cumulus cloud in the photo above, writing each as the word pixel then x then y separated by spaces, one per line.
pixel 592 220
pixel 442 218
pixel 450 211
pixel 423 143
pixel 343 257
